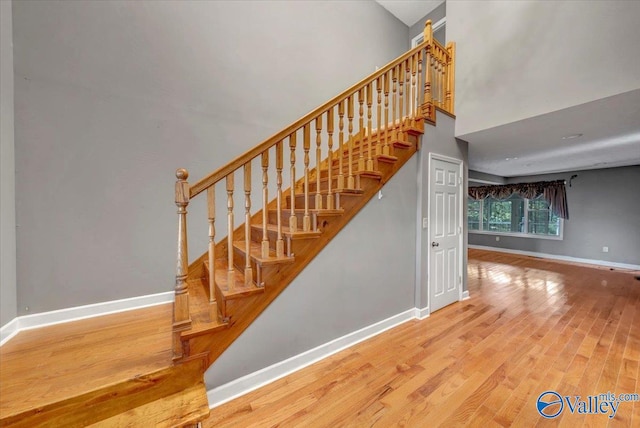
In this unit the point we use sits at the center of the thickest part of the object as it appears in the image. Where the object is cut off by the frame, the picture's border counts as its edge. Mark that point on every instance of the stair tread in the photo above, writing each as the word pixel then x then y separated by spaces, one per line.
pixel 240 289
pixel 318 212
pixel 363 173
pixel 401 144
pixel 188 406
pixel 343 192
pixel 299 234
pixel 256 254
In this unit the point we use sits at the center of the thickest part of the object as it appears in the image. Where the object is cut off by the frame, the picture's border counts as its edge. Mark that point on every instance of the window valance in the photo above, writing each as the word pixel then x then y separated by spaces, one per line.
pixel 554 192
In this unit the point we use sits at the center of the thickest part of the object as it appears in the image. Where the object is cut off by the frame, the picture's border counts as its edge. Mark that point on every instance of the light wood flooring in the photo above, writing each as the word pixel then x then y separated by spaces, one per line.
pixel 530 325
pixel 54 363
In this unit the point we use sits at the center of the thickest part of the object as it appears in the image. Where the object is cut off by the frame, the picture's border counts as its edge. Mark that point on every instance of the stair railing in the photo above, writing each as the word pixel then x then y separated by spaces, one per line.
pixel 402 93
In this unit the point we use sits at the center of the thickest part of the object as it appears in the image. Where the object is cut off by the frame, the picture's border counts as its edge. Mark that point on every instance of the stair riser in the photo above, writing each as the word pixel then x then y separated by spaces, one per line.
pixel 239 261
pixel 256 235
pixel 339 199
pixel 273 217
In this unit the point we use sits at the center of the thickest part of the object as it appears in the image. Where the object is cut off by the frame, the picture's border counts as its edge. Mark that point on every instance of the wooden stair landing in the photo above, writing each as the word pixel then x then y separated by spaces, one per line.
pixel 112 370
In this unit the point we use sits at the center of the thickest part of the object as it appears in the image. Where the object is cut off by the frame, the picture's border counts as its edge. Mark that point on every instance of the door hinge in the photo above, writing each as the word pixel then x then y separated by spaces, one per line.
pixel 459 229
pixel 459 180
pixel 460 280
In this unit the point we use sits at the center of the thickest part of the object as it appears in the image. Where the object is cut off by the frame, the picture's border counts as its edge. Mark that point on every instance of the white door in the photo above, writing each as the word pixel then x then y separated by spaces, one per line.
pixel 445 232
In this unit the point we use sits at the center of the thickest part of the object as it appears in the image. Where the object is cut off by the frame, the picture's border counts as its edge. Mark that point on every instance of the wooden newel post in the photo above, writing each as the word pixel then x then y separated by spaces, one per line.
pixel 427 102
pixel 181 316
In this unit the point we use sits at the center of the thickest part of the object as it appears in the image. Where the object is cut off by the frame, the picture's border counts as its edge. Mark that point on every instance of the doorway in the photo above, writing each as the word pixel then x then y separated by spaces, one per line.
pixel 445 231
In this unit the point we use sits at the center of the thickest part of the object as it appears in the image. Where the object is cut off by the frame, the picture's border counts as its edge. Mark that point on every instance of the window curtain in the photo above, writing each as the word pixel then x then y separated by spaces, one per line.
pixel 554 192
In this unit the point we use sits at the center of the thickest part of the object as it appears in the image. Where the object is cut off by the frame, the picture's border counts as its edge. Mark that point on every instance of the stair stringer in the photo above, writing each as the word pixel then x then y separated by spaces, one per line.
pixel 245 311
pixel 365 275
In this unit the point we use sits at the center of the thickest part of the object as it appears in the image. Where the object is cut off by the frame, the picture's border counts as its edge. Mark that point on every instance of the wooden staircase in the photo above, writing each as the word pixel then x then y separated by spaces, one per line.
pixel 362 138
pixel 214 326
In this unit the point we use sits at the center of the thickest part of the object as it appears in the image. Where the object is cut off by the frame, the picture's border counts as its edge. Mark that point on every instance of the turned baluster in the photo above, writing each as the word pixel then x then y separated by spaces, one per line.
pixel 248 273
pixel 445 83
pixel 340 144
pixel 211 210
pixel 230 273
pixel 427 102
pixel 379 114
pixel 439 74
pixel 318 161
pixel 264 250
pixel 330 201
pixel 181 316
pixel 419 84
pixel 400 98
pixel 385 147
pixel 351 184
pixel 361 161
pixel 394 102
pixel 441 79
pixel 414 92
pixel 369 129
pixel 408 89
pixel 306 145
pixel 279 165
pixel 293 220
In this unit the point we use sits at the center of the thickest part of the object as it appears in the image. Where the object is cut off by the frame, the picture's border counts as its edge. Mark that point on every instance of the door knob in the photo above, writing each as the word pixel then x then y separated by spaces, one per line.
pixel 435 244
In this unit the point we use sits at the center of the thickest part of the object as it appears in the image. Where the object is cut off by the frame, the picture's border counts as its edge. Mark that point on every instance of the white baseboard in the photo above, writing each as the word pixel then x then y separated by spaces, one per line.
pixel 422 313
pixel 465 295
pixel 43 319
pixel 234 389
pixel 8 330
pixel 559 257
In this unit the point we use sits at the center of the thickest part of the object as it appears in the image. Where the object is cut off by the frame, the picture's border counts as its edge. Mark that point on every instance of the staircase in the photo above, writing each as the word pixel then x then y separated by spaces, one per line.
pixel 218 318
pixel 299 189
pixel 339 156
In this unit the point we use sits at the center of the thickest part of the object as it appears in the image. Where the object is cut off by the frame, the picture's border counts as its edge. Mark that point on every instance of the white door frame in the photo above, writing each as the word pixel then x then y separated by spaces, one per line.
pixel 460 164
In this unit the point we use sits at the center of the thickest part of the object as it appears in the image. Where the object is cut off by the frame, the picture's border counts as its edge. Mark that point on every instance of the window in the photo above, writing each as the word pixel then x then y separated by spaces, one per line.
pixel 514 216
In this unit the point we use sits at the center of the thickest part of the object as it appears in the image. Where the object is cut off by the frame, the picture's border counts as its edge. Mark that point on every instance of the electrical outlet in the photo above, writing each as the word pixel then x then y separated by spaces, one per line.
pixel 497 238
pixel 605 249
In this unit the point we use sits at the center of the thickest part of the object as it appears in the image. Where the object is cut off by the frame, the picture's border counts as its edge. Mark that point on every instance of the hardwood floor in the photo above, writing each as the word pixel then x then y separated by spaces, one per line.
pixel 531 325
pixel 54 363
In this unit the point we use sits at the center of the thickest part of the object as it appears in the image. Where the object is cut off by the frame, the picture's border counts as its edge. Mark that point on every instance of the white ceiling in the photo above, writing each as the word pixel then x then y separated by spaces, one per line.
pixel 611 137
pixel 410 11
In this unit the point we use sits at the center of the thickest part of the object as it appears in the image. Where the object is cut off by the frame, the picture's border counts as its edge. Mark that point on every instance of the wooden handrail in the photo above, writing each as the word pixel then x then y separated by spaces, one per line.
pixel 408 102
pixel 256 151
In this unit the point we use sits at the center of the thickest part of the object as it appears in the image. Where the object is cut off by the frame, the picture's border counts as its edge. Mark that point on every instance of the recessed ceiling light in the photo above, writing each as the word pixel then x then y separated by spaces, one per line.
pixel 514 158
pixel 571 136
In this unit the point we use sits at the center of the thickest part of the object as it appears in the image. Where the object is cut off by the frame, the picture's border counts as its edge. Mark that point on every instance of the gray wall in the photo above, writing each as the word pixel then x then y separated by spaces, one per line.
pixel 7 171
pixel 438 140
pixel 520 59
pixel 112 97
pixel 358 279
pixel 483 176
pixel 604 210
pixel 435 15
